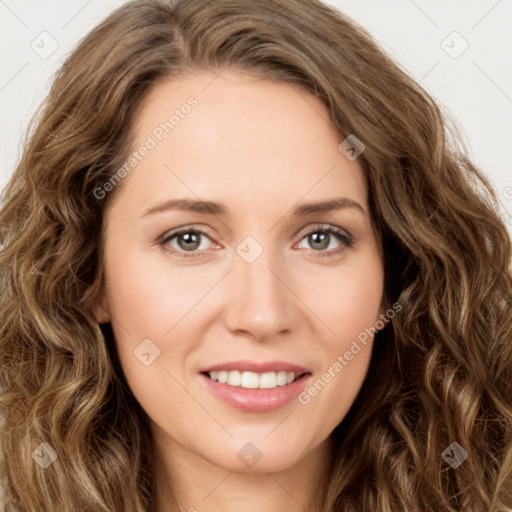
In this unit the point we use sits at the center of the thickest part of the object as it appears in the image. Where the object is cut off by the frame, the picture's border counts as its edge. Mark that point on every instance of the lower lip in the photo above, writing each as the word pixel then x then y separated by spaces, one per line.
pixel 256 400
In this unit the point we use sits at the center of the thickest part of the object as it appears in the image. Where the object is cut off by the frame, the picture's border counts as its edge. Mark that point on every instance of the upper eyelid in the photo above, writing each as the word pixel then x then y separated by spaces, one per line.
pixel 186 229
pixel 321 227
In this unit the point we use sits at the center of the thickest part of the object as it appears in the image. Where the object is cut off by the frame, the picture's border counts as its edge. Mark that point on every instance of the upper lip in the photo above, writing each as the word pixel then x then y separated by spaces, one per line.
pixel 257 367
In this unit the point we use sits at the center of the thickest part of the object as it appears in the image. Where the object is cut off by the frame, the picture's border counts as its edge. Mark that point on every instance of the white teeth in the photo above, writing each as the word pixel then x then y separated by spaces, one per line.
pixel 268 380
pixel 253 380
pixel 234 378
pixel 250 380
pixel 281 378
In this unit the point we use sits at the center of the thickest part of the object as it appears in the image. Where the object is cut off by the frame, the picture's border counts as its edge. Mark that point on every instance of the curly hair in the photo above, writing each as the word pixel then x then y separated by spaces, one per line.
pixel 442 369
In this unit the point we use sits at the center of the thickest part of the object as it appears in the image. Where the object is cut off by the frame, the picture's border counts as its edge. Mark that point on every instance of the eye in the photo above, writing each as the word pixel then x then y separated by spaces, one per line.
pixel 186 241
pixel 327 237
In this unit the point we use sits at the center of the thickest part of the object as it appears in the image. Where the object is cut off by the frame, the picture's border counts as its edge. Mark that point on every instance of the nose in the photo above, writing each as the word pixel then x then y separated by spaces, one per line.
pixel 260 301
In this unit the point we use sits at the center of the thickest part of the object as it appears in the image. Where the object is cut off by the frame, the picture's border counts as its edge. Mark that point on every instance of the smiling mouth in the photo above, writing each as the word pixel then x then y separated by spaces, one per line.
pixel 254 380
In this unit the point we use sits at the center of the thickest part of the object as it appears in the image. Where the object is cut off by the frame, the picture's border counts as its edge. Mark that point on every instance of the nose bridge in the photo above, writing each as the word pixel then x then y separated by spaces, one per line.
pixel 258 302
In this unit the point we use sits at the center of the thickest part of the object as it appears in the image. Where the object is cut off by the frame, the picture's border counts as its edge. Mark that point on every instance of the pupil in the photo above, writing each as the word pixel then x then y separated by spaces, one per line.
pixel 189 238
pixel 319 238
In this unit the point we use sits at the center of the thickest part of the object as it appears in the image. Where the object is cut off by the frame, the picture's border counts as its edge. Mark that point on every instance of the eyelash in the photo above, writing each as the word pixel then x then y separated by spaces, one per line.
pixel 346 239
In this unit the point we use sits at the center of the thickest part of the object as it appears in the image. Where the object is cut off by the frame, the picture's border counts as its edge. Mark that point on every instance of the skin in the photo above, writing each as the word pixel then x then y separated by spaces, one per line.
pixel 261 148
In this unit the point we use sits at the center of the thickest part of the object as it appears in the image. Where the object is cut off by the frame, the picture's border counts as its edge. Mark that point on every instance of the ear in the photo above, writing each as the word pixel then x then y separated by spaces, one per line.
pixel 101 309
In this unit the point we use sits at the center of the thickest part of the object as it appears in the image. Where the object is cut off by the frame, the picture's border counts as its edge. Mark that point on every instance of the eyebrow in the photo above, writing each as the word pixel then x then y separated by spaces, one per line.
pixel 214 208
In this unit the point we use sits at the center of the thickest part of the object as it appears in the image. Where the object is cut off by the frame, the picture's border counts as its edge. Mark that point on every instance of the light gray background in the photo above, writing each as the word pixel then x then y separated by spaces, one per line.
pixel 475 86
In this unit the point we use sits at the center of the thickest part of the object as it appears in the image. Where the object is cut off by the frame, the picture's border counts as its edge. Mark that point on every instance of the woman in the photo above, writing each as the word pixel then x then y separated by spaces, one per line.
pixel 243 266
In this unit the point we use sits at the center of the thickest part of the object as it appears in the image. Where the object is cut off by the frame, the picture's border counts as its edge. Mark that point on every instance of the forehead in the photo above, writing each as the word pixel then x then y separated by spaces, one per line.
pixel 243 137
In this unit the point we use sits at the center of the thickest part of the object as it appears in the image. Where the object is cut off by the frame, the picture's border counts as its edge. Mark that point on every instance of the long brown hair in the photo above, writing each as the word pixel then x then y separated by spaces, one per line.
pixel 441 370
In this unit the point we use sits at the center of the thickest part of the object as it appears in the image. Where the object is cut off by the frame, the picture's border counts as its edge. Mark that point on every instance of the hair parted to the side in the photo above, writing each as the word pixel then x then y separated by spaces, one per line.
pixel 440 372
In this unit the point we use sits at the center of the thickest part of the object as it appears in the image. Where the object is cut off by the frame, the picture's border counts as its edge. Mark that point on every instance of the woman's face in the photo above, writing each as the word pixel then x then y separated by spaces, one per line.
pixel 255 289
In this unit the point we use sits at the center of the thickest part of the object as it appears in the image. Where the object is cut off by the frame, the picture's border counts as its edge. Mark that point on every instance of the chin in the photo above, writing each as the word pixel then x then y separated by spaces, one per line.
pixel 270 452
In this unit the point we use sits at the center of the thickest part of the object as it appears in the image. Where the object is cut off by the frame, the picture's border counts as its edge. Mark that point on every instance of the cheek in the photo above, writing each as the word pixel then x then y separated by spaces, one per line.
pixel 350 308
pixel 150 302
pixel 331 394
pixel 349 305
pixel 349 300
pixel 150 298
pixel 153 301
